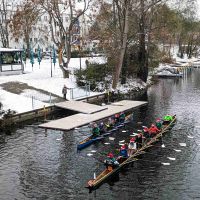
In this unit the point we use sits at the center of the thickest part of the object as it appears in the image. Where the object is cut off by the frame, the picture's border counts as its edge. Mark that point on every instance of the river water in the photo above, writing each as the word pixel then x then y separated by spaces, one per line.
pixel 39 165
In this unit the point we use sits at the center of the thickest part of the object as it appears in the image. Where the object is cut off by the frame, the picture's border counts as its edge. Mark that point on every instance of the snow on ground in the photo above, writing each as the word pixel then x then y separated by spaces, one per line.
pixel 40 77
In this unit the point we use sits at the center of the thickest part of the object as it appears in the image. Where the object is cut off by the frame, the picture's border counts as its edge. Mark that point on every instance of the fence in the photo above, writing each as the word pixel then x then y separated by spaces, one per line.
pixel 79 92
pixel 40 97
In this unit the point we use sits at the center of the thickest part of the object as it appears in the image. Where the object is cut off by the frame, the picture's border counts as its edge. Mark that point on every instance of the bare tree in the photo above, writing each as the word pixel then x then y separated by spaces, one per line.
pixel 23 20
pixel 4 34
pixel 62 33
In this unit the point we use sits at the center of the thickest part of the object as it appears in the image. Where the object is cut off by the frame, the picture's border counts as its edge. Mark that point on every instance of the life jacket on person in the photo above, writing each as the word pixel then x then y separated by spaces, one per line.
pixel 158 123
pixel 145 132
pixel 117 118
pixel 122 117
pixel 95 130
pixel 138 140
pixel 111 162
pixel 123 151
pixel 153 130
pixel 132 144
pixel 167 118
pixel 101 127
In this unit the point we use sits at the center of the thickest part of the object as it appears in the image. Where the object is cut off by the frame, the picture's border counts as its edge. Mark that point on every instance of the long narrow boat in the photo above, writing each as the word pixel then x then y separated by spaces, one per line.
pixel 95 183
pixel 89 140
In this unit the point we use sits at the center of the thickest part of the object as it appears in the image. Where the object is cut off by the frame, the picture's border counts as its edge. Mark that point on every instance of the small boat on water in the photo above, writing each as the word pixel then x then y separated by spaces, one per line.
pixel 107 173
pixel 90 140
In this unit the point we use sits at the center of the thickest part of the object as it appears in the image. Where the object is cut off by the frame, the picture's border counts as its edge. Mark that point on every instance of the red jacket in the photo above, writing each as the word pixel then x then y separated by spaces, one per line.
pixel 153 130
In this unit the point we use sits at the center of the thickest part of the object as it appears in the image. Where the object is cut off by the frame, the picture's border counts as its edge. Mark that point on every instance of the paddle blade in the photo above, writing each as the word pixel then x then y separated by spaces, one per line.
pixel 182 144
pixel 122 141
pixel 111 138
pixel 124 131
pixel 93 151
pixel 106 143
pixel 163 146
pixel 171 158
pixel 189 136
pixel 95 175
pixel 165 164
pixel 89 154
pixel 177 150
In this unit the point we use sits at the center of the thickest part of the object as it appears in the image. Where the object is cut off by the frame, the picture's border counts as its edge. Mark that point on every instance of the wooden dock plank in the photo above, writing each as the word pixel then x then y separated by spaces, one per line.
pixel 81 119
pixel 80 106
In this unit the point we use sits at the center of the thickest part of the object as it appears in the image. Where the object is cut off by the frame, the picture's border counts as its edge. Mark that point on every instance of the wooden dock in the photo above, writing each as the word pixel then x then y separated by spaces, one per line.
pixel 81 119
pixel 80 106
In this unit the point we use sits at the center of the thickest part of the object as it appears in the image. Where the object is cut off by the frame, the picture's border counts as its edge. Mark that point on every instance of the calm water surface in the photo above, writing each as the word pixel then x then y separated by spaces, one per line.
pixel 35 165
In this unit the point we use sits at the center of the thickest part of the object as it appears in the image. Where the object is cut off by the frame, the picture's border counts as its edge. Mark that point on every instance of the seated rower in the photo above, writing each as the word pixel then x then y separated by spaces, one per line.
pixel 159 123
pixel 153 130
pixel 95 131
pixel 122 117
pixel 101 128
pixel 145 132
pixel 167 119
pixel 139 140
pixel 132 147
pixel 111 162
pixel 110 124
pixel 123 154
pixel 116 118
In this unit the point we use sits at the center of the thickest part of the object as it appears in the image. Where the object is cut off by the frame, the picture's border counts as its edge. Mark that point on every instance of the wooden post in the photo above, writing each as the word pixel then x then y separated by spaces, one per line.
pixel 45 113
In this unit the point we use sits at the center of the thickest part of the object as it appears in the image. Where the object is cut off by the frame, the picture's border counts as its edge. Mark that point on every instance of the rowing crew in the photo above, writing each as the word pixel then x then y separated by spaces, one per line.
pixel 97 130
pixel 136 142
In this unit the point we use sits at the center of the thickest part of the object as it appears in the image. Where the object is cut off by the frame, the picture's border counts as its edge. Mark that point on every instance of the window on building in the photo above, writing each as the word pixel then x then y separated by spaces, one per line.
pixel 35 40
pixel 45 18
pixel 31 39
pixel 66 19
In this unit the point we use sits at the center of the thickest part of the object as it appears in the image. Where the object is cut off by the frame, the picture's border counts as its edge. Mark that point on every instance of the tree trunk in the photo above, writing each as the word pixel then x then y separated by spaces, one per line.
pixel 118 67
pixel 142 54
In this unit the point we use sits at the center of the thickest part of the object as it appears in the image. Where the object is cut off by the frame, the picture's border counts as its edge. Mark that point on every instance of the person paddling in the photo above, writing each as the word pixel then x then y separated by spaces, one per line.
pixel 101 128
pixel 159 123
pixel 122 117
pixel 111 162
pixel 132 148
pixel 167 119
pixel 123 153
pixel 153 130
pixel 95 131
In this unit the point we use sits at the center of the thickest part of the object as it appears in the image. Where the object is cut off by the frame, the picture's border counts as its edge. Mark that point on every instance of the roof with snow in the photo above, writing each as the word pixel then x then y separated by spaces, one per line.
pixel 10 50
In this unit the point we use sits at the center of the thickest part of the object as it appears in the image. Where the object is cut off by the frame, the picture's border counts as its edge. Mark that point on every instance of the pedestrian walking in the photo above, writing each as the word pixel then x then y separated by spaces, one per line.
pixel 64 91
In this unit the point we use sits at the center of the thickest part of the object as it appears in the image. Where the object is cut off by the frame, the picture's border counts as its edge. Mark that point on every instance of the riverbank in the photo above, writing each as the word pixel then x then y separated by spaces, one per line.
pixel 35 88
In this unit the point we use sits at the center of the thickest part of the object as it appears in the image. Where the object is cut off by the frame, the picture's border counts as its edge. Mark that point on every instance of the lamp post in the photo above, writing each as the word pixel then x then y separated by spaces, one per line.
pixel 31 58
pixel 51 60
pixel 39 55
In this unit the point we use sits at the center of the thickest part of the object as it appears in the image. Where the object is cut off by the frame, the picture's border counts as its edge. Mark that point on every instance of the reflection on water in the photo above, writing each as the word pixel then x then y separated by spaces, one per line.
pixel 34 165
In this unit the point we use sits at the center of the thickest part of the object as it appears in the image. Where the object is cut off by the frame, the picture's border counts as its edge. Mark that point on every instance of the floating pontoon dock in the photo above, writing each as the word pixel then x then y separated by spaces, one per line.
pixel 81 119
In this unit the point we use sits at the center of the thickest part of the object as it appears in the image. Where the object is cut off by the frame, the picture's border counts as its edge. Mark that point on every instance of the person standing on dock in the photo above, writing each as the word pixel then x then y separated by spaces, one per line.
pixel 64 91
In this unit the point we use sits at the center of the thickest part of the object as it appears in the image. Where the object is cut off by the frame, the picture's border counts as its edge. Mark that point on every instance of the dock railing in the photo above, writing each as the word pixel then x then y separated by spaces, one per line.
pixel 80 92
